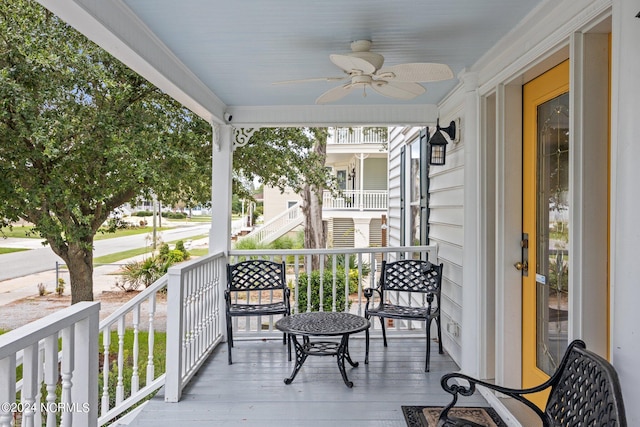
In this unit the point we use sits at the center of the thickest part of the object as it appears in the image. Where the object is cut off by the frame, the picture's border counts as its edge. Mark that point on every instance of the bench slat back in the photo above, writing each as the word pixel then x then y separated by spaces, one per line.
pixel 587 392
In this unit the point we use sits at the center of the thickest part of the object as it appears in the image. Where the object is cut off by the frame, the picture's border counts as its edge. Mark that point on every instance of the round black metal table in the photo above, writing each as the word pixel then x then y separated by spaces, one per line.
pixel 322 324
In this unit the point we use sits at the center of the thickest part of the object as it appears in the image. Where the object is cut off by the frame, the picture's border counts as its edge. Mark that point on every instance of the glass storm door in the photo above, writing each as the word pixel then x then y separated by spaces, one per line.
pixel 545 225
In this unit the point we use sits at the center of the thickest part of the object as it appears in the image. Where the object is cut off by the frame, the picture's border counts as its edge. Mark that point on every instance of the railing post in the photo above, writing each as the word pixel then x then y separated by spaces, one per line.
pixel 175 318
pixel 7 388
pixel 84 393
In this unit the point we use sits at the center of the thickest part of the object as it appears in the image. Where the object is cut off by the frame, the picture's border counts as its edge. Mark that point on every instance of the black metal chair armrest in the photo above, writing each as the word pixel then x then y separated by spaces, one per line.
pixel 368 292
pixel 452 386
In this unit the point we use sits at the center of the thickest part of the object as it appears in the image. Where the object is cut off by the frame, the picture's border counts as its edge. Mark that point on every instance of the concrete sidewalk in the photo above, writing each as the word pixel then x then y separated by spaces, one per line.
pixel 12 290
pixel 104 277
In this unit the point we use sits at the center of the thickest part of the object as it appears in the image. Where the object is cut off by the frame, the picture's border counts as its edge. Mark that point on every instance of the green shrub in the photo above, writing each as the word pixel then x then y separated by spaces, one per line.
pixel 174 215
pixel 327 294
pixel 143 213
pixel 180 247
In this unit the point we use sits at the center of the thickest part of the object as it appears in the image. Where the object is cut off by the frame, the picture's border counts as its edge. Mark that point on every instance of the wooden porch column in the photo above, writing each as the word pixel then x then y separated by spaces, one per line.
pixel 222 158
pixel 472 321
pixel 625 203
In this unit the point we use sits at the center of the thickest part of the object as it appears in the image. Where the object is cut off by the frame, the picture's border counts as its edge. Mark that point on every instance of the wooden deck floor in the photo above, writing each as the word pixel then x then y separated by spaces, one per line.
pixel 251 392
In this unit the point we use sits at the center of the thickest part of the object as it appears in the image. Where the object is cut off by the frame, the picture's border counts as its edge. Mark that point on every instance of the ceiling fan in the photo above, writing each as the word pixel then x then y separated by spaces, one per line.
pixel 363 69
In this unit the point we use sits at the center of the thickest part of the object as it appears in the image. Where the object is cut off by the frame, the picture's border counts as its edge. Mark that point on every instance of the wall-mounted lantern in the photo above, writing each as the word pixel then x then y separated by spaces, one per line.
pixel 438 143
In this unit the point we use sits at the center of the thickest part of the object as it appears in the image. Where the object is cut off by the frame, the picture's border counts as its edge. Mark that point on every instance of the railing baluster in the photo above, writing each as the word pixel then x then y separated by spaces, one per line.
pixel 37 416
pixel 106 343
pixel 135 377
pixel 120 382
pixel 29 383
pixel 151 340
pixel 308 262
pixel 321 290
pixel 51 375
pixel 346 282
pixel 334 261
pixel 66 374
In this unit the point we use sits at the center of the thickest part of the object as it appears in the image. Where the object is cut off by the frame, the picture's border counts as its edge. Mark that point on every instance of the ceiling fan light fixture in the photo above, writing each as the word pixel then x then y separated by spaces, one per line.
pixel 363 67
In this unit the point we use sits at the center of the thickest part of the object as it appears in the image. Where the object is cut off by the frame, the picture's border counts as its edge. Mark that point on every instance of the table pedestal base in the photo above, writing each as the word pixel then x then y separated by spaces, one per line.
pixel 322 348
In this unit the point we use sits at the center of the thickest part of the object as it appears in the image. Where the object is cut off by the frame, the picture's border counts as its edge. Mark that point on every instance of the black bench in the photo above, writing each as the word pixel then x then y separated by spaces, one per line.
pixel 584 391
pixel 409 278
pixel 246 283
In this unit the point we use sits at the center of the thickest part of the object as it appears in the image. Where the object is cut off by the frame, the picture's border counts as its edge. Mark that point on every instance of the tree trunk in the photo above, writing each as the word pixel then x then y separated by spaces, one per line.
pixel 79 260
pixel 314 233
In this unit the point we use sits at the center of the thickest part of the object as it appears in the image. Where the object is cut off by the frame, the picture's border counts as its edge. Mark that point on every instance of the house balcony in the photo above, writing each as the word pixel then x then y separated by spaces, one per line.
pixel 362 200
pixel 74 346
pixel 358 135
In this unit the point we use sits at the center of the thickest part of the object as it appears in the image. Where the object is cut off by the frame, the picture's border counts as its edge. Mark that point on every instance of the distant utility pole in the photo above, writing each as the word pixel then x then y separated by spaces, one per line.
pixel 155 211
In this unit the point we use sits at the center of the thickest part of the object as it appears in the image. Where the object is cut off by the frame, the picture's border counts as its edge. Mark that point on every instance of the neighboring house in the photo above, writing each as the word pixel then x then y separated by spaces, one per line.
pixel 357 158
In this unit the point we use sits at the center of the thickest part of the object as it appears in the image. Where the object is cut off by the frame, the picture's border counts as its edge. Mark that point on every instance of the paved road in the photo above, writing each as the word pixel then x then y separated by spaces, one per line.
pixel 39 259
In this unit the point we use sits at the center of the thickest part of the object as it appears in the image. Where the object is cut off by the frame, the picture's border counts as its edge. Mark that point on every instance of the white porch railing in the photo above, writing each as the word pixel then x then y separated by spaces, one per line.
pixel 119 393
pixel 356 200
pixel 359 136
pixel 277 226
pixel 75 330
pixel 195 325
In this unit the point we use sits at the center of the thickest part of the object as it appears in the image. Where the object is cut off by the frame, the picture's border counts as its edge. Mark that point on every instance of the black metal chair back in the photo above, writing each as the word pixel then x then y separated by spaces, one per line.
pixel 250 279
pixel 411 277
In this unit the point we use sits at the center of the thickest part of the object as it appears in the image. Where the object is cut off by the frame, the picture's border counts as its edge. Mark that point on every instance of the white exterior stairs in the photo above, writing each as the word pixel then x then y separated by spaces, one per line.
pixel 277 227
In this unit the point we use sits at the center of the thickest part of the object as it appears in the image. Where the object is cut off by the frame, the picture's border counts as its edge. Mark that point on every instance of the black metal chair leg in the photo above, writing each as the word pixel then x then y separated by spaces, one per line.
pixel 366 352
pixel 229 339
pixel 428 349
pixel 384 332
pixel 439 336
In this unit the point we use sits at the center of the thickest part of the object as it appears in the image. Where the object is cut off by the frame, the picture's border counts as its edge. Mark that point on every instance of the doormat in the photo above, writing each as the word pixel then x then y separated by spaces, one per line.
pixel 427 416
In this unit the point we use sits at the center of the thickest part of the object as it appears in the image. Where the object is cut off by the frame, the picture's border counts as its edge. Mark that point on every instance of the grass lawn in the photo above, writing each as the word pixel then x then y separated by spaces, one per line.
pixel 198 219
pixel 119 256
pixel 20 231
pixel 9 250
pixel 128 232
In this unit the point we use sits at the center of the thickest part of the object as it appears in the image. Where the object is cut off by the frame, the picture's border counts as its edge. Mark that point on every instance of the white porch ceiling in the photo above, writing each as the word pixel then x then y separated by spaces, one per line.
pixel 216 56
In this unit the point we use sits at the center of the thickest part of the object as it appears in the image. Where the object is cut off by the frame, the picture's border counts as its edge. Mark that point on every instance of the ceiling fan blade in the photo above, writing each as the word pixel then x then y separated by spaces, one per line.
pixel 417 72
pixel 399 90
pixel 313 79
pixel 349 63
pixel 335 94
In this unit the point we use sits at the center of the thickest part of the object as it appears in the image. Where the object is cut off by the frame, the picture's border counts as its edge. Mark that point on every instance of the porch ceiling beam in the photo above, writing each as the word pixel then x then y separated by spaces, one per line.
pixel 334 115
pixel 112 26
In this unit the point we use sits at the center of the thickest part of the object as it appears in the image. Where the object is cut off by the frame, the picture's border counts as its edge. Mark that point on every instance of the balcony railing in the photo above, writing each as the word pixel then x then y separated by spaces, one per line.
pixel 195 325
pixel 359 136
pixel 356 200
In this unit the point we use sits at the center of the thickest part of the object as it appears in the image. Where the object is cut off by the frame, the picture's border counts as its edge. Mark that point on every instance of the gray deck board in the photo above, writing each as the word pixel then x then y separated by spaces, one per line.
pixel 251 392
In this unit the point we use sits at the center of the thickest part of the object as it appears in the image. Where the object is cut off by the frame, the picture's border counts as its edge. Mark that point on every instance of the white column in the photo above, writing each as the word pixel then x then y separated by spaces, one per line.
pixel 625 203
pixel 220 234
pixel 471 319
pixel 361 232
pixel 362 157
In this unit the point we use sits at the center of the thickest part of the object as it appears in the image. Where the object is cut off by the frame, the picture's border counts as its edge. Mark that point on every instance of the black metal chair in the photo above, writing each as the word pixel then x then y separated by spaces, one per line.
pixel 246 281
pixel 584 391
pixel 407 277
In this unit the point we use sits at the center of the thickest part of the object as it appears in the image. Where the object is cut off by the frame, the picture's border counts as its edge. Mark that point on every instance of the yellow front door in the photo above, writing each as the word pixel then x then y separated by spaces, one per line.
pixel 545 225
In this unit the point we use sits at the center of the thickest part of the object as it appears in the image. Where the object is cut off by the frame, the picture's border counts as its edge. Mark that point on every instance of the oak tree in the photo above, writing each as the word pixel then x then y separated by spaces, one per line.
pixel 81 134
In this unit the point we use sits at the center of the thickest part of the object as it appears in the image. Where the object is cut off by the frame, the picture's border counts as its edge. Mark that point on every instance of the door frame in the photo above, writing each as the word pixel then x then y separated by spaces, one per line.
pixel 588 187
pixel 546 87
